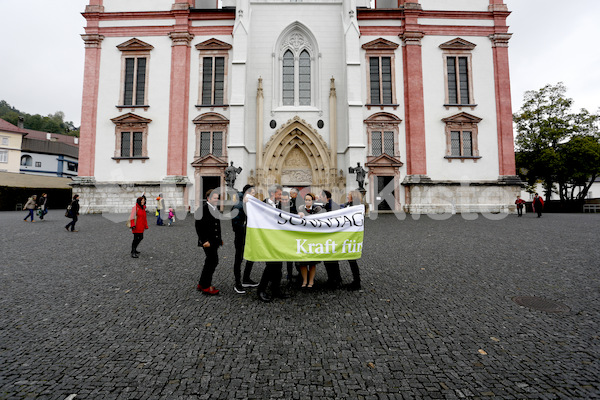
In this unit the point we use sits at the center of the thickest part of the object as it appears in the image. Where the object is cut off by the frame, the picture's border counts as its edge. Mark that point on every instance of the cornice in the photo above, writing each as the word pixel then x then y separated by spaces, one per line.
pixel 93 40
pixel 500 39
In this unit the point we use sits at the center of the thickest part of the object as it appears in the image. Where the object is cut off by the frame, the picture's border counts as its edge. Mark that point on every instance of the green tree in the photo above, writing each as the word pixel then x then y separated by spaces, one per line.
pixel 555 145
pixel 53 123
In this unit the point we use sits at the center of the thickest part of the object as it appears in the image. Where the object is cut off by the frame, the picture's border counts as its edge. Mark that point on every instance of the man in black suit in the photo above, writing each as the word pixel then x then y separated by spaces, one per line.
pixel 208 228
pixel 272 272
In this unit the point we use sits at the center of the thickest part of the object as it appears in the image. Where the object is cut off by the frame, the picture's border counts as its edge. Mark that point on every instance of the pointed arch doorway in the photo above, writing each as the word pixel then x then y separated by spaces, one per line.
pixel 297 156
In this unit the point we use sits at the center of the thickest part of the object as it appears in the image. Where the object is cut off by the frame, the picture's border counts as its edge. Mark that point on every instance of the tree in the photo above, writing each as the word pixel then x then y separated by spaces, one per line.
pixel 555 145
pixel 53 123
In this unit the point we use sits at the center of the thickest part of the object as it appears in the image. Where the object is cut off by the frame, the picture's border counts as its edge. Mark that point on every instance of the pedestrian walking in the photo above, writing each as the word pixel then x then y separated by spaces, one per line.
pixel 138 223
pixel 73 213
pixel 160 206
pixel 42 205
pixel 238 223
pixel 520 203
pixel 538 205
pixel 171 216
pixel 30 207
pixel 208 229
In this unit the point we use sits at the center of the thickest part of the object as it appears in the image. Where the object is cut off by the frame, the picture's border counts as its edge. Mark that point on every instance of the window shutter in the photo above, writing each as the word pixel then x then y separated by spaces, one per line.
pixel 138 137
pixel 376 143
pixel 128 90
pixel 219 80
pixel 452 89
pixel 386 79
pixel 388 143
pixel 207 81
pixel 140 85
pixel 125 144
pixel 374 79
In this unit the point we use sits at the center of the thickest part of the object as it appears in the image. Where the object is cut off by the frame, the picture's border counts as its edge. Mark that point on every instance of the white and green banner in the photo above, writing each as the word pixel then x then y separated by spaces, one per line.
pixel 276 235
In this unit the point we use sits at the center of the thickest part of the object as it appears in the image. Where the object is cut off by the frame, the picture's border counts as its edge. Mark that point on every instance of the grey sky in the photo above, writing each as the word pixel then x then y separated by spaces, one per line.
pixel 42 54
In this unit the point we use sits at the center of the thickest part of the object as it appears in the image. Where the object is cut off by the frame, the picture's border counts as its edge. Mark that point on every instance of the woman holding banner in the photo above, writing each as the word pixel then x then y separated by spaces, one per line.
pixel 308 270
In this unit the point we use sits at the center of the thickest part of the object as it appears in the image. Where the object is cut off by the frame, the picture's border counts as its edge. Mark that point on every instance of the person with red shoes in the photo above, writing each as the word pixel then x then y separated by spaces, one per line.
pixel 208 228
pixel 138 223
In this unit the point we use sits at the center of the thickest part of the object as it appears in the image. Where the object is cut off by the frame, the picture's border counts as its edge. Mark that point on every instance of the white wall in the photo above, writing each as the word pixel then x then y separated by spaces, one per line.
pixel 438 168
pixel 159 76
pixel 137 5
pixel 462 5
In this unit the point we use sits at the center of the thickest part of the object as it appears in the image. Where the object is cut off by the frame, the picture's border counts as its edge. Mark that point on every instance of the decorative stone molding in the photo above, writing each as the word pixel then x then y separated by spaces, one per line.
pixel 94 9
pixel 500 39
pixel 457 44
pixel 412 38
pixel 92 41
pixel 181 38
pixel 296 41
pixel 380 44
pixel 135 45
pixel 213 44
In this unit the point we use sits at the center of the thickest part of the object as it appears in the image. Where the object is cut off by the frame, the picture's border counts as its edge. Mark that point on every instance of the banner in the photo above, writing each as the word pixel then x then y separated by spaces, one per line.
pixel 276 235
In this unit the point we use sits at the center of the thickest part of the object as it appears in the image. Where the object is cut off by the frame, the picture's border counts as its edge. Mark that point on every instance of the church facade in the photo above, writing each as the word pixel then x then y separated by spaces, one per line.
pixel 308 94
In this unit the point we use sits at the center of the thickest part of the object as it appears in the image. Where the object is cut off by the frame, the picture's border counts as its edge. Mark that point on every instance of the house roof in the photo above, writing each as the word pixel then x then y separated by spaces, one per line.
pixel 6 126
pixel 54 137
pixel 11 179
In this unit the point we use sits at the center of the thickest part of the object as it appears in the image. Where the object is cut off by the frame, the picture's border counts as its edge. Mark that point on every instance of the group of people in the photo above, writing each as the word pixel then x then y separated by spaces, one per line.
pixel 208 228
pixel 34 203
pixel 537 204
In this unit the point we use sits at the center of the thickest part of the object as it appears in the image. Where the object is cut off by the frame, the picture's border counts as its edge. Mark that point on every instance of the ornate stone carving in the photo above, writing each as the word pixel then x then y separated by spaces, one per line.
pixel 296 41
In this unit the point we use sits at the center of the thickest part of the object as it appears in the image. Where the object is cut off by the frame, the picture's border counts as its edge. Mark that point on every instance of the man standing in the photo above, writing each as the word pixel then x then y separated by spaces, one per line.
pixel 272 272
pixel 286 205
pixel 208 228
pixel 293 197
pixel 238 223
pixel 334 277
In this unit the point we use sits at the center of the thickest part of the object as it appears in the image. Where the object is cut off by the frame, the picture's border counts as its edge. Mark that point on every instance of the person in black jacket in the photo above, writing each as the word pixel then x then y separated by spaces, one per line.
pixel 272 273
pixel 208 228
pixel 334 277
pixel 73 213
pixel 238 223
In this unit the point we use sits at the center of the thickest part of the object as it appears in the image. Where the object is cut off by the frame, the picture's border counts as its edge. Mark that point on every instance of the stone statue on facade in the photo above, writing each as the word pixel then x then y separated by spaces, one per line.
pixel 231 173
pixel 361 173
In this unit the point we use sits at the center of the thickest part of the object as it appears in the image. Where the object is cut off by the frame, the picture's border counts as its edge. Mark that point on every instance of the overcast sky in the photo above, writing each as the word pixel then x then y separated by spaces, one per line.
pixel 41 52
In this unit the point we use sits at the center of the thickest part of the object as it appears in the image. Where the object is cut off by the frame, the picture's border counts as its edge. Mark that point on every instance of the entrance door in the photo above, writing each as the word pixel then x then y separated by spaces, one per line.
pixel 383 197
pixel 209 183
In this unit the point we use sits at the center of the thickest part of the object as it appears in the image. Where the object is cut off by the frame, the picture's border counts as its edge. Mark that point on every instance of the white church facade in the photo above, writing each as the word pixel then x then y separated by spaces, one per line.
pixel 297 93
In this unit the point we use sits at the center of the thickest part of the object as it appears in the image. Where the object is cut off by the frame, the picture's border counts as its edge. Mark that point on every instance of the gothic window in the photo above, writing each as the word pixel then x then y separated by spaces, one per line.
pixel 296 69
pixel 135 56
pixel 458 75
pixel 380 55
pixel 214 56
pixel 461 136
pixel 131 133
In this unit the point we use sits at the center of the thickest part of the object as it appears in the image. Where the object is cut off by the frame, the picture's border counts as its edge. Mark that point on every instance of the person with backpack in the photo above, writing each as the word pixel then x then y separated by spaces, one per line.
pixel 73 213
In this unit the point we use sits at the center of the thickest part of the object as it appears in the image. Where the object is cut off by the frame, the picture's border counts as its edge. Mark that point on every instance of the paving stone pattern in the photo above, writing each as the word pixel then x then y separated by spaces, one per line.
pixel 434 320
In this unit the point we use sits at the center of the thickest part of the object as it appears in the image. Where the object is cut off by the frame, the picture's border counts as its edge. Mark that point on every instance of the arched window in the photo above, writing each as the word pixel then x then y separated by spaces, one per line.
pixel 288 79
pixel 296 68
pixel 304 79
pixel 26 161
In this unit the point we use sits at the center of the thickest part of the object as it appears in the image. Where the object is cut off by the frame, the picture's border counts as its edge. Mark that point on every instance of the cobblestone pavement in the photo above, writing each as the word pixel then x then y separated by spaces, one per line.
pixel 435 319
